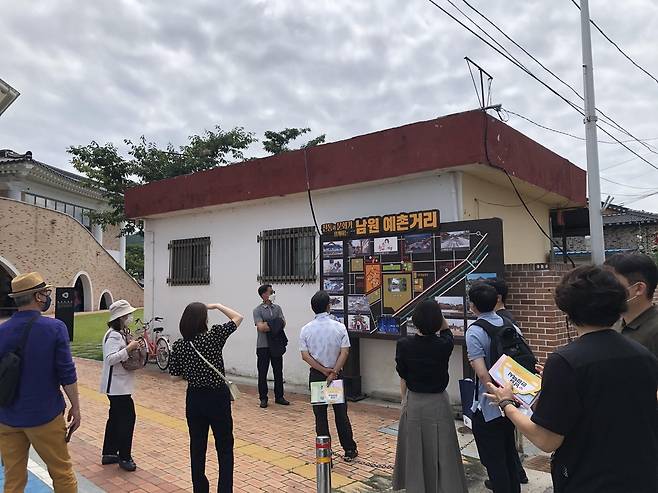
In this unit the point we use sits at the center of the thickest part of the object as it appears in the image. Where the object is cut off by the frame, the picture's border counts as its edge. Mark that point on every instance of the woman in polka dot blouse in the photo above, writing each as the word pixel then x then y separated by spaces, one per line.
pixel 208 401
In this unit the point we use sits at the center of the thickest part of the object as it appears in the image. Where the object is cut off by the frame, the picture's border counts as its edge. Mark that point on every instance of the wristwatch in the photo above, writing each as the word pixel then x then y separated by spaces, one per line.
pixel 505 402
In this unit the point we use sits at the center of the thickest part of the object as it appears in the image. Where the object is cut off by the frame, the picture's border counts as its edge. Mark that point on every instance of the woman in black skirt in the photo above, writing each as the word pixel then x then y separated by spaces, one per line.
pixel 427 459
pixel 208 401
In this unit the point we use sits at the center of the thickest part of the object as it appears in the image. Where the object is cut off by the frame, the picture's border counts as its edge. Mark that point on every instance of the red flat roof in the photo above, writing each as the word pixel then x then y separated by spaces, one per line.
pixel 445 142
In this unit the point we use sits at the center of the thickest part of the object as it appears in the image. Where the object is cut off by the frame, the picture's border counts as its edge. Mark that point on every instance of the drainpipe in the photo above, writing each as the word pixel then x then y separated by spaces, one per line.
pixel 122 248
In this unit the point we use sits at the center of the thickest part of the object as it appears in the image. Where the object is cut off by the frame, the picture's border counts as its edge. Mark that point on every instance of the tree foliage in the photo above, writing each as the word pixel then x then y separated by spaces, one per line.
pixel 106 168
pixel 135 261
pixel 277 142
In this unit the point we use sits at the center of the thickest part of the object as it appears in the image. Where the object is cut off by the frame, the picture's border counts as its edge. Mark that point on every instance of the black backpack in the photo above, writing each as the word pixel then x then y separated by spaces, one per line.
pixel 10 369
pixel 507 340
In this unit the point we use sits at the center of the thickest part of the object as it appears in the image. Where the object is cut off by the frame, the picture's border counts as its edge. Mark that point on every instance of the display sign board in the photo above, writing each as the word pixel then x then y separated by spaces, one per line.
pixel 64 309
pixel 377 269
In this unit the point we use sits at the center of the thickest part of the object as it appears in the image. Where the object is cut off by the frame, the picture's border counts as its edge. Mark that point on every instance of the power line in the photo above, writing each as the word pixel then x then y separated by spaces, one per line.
pixel 530 120
pixel 628 186
pixel 618 47
pixel 567 101
pixel 612 122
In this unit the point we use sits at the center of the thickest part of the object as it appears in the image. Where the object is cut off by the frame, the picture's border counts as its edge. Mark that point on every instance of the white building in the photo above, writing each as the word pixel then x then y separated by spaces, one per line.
pixel 206 234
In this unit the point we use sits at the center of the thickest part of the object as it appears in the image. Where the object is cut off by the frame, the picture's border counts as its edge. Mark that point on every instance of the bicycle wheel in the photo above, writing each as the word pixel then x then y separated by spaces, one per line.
pixel 162 352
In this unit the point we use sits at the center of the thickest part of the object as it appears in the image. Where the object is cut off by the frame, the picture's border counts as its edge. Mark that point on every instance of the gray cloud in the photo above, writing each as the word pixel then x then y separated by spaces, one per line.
pixel 110 70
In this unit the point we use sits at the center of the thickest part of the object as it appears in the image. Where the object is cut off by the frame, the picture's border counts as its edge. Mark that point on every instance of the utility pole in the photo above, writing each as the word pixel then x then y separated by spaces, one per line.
pixel 593 178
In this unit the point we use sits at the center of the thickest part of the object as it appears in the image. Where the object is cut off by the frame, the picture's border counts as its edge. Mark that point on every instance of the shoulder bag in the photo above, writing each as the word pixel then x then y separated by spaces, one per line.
pixel 233 388
pixel 10 368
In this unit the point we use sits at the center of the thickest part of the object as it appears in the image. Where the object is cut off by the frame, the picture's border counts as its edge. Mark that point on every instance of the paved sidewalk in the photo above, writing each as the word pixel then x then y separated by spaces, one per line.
pixel 274 447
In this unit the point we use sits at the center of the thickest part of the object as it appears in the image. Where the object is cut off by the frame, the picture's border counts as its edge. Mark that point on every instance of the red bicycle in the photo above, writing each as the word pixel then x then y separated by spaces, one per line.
pixel 157 345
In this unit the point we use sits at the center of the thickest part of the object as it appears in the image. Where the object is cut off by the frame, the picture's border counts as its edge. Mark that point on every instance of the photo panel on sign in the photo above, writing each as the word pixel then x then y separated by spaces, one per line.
pixel 418 243
pixel 456 325
pixel 386 245
pixel 356 265
pixel 398 291
pixel 336 303
pixel 451 306
pixel 358 323
pixel 332 249
pixel 332 266
pixel 455 240
pixel 360 247
pixel 333 284
pixel 358 304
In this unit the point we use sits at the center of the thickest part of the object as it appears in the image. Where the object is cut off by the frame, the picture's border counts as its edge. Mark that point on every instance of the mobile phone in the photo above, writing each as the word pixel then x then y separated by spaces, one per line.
pixel 69 432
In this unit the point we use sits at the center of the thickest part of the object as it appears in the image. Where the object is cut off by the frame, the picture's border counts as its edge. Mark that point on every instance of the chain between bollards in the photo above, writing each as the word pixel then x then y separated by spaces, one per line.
pixel 323 464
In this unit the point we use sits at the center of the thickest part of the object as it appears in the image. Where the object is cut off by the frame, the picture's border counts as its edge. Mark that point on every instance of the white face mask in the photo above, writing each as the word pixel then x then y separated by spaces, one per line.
pixel 632 297
pixel 129 320
pixel 272 297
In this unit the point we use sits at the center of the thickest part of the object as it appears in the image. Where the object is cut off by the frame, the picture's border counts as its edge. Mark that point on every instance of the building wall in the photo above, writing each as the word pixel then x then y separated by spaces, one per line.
pixel 532 303
pixel 57 193
pixel 234 258
pixel 111 237
pixel 631 236
pixel 55 244
pixel 523 241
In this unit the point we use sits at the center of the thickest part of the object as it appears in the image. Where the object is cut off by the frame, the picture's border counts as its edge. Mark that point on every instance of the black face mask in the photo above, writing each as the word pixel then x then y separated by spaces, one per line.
pixel 46 304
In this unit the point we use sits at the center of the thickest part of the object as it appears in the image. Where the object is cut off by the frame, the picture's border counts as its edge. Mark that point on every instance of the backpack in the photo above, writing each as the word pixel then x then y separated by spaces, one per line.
pixel 507 340
pixel 10 369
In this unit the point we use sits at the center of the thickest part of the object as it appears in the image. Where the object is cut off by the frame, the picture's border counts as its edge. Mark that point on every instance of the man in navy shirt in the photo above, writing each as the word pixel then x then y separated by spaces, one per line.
pixel 36 416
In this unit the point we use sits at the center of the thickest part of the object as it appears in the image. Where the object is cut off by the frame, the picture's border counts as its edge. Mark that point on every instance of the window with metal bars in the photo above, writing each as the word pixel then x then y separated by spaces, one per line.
pixel 189 261
pixel 287 255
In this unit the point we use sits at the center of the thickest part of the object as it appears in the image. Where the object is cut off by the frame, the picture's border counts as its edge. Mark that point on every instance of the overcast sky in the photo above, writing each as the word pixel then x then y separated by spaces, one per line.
pixel 109 70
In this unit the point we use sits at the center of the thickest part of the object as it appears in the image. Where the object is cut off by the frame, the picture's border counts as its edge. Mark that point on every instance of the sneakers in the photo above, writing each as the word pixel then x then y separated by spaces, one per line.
pixel 350 455
pixel 263 403
pixel 110 459
pixel 282 401
pixel 128 465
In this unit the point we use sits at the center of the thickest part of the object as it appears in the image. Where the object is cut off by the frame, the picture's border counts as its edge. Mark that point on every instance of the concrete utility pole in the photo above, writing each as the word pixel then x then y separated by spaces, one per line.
pixel 593 178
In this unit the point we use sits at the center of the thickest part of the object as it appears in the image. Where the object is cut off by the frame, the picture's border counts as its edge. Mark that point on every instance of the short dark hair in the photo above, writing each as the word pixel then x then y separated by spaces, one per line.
pixel 591 295
pixel 427 317
pixel 263 289
pixel 483 296
pixel 500 286
pixel 320 302
pixel 194 320
pixel 636 267
pixel 116 324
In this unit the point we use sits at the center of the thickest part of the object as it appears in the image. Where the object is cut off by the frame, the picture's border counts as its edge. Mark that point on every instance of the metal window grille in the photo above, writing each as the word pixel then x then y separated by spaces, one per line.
pixel 189 261
pixel 287 255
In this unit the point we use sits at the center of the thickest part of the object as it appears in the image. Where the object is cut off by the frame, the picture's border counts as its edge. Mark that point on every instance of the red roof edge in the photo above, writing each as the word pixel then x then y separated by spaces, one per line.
pixel 445 142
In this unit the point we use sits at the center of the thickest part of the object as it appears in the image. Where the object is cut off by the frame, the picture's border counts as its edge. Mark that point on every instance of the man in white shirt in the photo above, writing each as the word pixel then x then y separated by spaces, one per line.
pixel 325 345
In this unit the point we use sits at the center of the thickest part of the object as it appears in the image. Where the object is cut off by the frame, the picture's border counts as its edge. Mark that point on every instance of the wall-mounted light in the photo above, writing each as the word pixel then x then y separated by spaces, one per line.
pixel 7 96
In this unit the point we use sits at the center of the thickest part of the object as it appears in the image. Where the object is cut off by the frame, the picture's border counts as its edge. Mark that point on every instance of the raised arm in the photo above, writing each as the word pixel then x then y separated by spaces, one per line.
pixel 229 312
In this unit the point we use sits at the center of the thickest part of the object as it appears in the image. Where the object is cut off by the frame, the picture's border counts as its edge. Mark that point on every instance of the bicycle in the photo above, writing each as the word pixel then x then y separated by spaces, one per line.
pixel 158 346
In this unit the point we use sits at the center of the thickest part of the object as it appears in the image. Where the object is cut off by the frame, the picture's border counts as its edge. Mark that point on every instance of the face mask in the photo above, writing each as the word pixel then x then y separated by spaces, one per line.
pixel 129 320
pixel 46 304
pixel 632 297
pixel 272 297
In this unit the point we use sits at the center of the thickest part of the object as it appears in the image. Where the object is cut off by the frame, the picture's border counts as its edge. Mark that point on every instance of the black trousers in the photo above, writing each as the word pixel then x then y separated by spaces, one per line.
pixel 210 408
pixel 119 427
pixel 264 358
pixel 497 449
pixel 343 424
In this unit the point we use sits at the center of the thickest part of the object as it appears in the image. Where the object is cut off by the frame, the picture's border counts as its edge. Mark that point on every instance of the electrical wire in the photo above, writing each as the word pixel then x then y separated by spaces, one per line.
pixel 627 186
pixel 604 116
pixel 310 199
pixel 530 120
pixel 518 194
pixel 547 86
pixel 618 47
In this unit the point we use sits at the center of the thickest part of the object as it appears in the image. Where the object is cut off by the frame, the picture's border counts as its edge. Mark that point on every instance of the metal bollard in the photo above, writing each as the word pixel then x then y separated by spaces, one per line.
pixel 323 464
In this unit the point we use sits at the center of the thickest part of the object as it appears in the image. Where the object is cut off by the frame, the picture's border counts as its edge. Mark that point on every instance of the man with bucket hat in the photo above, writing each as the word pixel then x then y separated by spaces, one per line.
pixel 35 414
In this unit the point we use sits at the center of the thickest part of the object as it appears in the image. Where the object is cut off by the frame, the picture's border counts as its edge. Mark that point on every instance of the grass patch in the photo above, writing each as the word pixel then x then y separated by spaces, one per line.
pixel 88 331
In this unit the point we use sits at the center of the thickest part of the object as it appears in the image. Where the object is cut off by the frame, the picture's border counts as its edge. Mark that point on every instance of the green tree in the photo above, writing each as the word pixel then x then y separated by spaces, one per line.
pixel 277 142
pixel 135 261
pixel 107 169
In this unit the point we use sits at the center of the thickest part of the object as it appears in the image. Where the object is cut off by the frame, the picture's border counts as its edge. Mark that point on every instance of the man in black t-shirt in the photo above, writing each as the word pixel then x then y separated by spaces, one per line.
pixel 597 406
